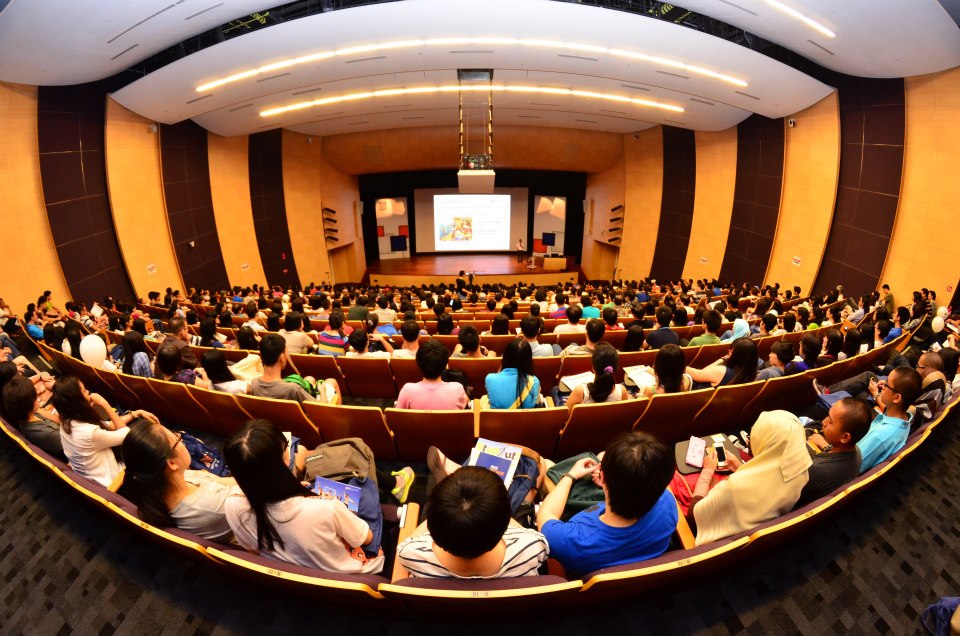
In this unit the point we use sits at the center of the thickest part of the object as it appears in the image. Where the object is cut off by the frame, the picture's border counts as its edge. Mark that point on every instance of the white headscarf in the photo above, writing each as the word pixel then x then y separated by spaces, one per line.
pixel 765 487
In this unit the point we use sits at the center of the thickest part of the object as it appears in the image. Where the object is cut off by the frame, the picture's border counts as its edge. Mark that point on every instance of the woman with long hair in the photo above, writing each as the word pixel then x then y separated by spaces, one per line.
pixel 169 367
pixel 87 438
pixel 247 339
pixel 633 340
pixel 280 517
pixel 208 334
pixel 737 367
pixel 514 386
pixel 136 355
pixel 604 387
pixel 215 367
pixel 669 369
pixel 851 343
pixel 810 348
pixel 72 335
pixel 156 479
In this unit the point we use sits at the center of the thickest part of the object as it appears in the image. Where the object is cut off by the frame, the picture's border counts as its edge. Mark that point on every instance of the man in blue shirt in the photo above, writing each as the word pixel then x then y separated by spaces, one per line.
pixel 637 518
pixel 664 335
pixel 889 431
pixel 586 306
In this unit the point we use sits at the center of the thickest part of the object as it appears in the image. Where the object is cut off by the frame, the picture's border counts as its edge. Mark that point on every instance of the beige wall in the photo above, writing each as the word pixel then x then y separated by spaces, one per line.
pixel 135 187
pixel 712 203
pixel 437 147
pixel 643 156
pixel 230 191
pixel 923 247
pixel 302 194
pixel 30 263
pixel 811 168
pixel 341 192
pixel 604 191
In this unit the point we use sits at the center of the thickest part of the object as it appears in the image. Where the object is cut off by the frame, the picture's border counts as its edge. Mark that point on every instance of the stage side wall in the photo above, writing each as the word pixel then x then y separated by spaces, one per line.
pixel 604 191
pixel 643 194
pixel 303 194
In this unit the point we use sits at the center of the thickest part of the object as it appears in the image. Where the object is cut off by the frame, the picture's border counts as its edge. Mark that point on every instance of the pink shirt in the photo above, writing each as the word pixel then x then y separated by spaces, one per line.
pixel 432 396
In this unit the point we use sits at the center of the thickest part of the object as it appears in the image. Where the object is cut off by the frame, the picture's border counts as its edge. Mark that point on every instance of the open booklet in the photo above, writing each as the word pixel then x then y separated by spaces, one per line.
pixel 329 489
pixel 502 459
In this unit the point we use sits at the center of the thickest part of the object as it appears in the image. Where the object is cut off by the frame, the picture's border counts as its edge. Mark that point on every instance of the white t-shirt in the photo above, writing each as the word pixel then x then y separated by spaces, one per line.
pixel 404 353
pixel 367 354
pixel 202 512
pixel 313 531
pixel 526 550
pixel 567 327
pixel 236 387
pixel 89 450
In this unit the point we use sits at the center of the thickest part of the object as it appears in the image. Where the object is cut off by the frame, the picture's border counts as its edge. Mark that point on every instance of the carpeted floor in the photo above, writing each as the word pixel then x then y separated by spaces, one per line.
pixel 869 570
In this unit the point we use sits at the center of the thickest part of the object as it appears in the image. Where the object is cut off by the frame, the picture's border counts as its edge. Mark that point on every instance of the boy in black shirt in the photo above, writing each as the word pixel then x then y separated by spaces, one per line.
pixel 838 460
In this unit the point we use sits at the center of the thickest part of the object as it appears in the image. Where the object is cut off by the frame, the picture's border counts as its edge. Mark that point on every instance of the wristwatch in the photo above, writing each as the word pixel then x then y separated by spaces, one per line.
pixel 572 478
pixel 827 448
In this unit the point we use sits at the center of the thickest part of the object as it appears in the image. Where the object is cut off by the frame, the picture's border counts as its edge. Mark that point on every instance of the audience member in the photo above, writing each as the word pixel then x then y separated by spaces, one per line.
pixel 432 393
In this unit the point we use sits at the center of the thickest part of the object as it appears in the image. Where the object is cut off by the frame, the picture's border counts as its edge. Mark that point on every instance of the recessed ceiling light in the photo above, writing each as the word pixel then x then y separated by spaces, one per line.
pixel 793 13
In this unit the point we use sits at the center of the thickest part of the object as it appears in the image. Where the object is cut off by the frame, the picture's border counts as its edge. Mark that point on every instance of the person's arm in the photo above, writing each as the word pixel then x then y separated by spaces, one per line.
pixel 383 340
pixel 552 507
pixel 703 482
pixel 711 374
pixel 119 421
pixel 576 396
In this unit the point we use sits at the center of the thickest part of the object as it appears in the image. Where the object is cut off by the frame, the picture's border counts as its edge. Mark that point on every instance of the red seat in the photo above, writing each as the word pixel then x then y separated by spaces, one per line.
pixel 366 422
pixel 286 415
pixel 537 429
pixel 722 412
pixel 405 371
pixel 592 426
pixel 670 415
pixel 476 370
pixel 547 368
pixel 416 431
pixel 368 377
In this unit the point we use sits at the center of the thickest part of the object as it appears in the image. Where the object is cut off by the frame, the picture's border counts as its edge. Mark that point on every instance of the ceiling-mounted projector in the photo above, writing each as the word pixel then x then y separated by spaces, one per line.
pixel 476 181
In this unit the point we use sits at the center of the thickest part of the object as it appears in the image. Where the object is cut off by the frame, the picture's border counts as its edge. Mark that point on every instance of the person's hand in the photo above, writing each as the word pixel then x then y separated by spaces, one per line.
pixel 733 461
pixel 584 467
pixel 98 400
pixel 818 440
pixel 873 387
pixel 710 460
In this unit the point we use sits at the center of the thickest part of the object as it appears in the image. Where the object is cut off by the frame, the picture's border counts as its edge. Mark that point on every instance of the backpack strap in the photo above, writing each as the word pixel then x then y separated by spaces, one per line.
pixel 523 396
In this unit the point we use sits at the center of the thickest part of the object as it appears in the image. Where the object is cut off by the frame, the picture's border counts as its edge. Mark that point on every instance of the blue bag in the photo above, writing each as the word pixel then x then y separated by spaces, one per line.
pixel 204 457
pixel 937 618
pixel 370 511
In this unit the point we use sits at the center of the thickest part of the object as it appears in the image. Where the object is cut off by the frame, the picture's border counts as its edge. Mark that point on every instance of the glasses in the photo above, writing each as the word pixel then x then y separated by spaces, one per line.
pixel 177 443
pixel 886 385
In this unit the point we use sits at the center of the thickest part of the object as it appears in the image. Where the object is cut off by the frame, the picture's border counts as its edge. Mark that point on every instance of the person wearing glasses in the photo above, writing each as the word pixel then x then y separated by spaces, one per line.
pixel 166 493
pixel 890 428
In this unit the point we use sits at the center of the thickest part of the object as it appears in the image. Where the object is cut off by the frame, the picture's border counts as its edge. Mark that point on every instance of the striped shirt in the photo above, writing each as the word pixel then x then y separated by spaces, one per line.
pixel 526 550
pixel 331 344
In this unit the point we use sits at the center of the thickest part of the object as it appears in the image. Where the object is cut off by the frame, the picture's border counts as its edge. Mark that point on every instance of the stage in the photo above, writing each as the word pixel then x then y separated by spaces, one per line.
pixel 432 269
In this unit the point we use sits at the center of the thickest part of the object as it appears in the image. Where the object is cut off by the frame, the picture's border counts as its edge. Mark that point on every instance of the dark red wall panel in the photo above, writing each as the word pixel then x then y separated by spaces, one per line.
pixel 269 208
pixel 676 208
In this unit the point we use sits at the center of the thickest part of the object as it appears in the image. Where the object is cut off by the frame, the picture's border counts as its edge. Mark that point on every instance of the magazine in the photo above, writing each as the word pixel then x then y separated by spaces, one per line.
pixel 502 459
pixel 329 489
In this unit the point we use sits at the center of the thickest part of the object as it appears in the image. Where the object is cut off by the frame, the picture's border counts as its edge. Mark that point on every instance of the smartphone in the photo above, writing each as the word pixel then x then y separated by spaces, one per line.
pixel 721 455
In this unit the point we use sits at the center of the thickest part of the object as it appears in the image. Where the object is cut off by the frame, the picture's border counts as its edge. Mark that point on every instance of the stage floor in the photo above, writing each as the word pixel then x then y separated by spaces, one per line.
pixel 451 264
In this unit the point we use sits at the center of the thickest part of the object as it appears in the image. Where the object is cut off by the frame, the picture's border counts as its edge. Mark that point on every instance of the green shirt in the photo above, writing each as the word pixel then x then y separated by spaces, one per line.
pixel 705 339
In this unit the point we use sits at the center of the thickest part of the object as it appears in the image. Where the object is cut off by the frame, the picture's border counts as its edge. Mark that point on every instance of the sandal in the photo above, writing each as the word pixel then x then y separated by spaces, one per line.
pixel 402 492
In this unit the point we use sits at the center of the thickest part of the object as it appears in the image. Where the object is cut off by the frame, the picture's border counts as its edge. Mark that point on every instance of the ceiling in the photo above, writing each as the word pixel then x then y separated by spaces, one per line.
pixel 546 49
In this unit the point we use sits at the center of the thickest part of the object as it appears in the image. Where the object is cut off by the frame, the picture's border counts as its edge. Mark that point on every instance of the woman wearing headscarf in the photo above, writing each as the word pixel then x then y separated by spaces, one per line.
pixel 741 329
pixel 759 490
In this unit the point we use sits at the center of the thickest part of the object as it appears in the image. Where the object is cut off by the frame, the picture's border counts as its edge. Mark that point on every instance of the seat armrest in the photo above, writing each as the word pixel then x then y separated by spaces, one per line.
pixel 410 522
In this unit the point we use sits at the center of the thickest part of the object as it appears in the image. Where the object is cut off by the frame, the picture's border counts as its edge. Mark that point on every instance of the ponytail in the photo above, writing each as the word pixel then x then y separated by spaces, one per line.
pixel 605 361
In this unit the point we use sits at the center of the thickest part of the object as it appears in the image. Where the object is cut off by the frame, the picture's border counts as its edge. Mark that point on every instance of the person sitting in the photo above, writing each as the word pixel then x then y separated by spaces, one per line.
pixel 87 439
pixel 810 349
pixel 446 326
pixel 832 346
pixel 851 344
pixel 469 532
pixel 587 308
pixel 499 326
pixel 432 393
pixel 280 518
pixel 530 328
pixel 179 336
pixel 384 312
pixel 208 334
pixel 158 481
pixel 595 329
pixel 778 470
pixel 781 354
pixel 611 319
pixel 737 367
pixel 669 371
pixel 273 354
pixel 360 343
pixel 292 332
pixel 935 390
pixel 514 386
pixel 741 329
pixel 634 339
pixel 468 345
pixel 410 332
pixel 663 334
pixel 136 355
pixel 215 367
pixel 838 461
pixel 573 324
pixel 604 387
pixel 168 366
pixel 636 520
pixel 252 318
pixel 890 428
pixel 332 341
pixel 247 339
pixel 21 407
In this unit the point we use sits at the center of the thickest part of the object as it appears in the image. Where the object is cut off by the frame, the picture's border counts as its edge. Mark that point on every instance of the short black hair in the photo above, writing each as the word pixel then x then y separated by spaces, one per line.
pixel 410 330
pixel 664 316
pixel 19 397
pixel 574 313
pixel 292 321
pixel 468 512
pixel 856 419
pixel 769 322
pixel 272 346
pixel 908 384
pixel 530 326
pixel 469 338
pixel 432 359
pixel 610 316
pixel 357 339
pixel 595 329
pixel 784 351
pixel 636 470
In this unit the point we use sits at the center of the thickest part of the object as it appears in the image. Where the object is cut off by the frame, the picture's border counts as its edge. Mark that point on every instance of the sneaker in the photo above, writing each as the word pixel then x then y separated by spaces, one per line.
pixel 403 491
pixel 437 462
pixel 820 389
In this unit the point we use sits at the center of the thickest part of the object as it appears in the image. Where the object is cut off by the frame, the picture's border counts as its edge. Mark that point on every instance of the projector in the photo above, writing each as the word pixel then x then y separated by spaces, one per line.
pixel 476 181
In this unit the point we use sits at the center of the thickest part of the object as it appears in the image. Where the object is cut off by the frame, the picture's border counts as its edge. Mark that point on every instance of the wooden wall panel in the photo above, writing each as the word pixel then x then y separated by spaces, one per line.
pixel 341 192
pixel 24 214
pixel 643 193
pixel 713 202
pixel 136 199
pixel 923 247
pixel 604 191
pixel 437 147
pixel 868 189
pixel 303 195
pixel 811 166
pixel 756 199
pixel 230 192
pixel 186 189
pixel 70 122
pixel 265 152
pixel 676 207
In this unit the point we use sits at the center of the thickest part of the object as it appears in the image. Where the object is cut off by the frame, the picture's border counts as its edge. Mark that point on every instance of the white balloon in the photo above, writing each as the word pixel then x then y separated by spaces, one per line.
pixel 942 312
pixel 937 324
pixel 93 350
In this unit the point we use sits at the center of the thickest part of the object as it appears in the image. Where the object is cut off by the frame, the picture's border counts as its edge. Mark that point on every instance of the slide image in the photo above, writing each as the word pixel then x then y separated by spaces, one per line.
pixel 471 222
pixel 460 230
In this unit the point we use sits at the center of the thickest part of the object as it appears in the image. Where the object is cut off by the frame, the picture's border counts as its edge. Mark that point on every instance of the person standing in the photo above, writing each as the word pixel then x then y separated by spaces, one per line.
pixel 520 251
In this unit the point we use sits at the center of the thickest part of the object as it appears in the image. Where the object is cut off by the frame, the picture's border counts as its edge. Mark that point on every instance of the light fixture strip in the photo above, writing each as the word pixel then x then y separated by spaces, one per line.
pixel 419 90
pixel 793 13
pixel 403 44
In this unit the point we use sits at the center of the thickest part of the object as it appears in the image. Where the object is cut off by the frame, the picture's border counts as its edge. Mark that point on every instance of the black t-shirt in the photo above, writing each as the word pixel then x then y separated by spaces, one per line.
pixel 828 472
pixel 662 336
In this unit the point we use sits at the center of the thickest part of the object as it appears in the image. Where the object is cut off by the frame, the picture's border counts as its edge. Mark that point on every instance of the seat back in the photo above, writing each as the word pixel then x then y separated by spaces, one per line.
pixel 450 342
pixel 670 415
pixel 416 431
pixel 405 371
pixel 150 401
pixel 366 422
pixel 537 429
pixel 765 344
pixel 546 369
pixel 592 426
pixel 722 412
pixel 286 415
pixel 615 337
pixel 710 353
pixel 318 367
pixel 125 397
pixel 788 392
pixel 476 371
pixel 497 343
pixel 567 339
pixel 180 401
pixel 226 416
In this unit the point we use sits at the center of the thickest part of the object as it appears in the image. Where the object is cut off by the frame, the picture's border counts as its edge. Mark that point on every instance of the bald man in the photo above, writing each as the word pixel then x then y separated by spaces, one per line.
pixel 935 388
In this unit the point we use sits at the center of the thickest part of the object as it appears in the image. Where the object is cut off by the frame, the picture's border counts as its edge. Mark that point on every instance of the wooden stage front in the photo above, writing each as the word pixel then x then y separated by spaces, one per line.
pixel 487 268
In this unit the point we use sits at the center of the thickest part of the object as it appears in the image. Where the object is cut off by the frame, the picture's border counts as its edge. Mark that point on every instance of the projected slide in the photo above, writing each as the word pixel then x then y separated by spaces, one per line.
pixel 471 222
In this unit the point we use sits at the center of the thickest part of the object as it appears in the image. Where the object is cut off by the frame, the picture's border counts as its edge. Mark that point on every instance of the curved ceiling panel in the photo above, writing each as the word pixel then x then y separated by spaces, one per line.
pixel 420 43
pixel 872 38
pixel 52 42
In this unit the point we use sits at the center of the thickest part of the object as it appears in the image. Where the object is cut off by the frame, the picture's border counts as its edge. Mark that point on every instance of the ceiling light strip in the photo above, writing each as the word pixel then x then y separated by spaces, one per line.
pixel 403 44
pixel 419 90
pixel 793 13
